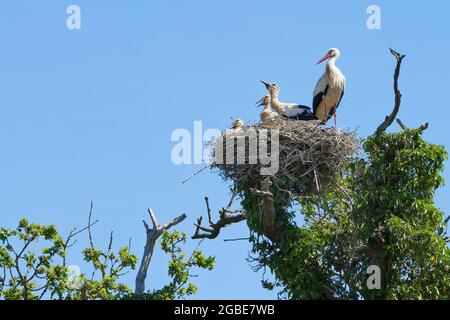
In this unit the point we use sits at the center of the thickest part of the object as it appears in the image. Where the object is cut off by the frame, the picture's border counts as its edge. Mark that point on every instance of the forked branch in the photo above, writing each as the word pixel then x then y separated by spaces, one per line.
pixel 398 96
pixel 227 216
pixel 152 235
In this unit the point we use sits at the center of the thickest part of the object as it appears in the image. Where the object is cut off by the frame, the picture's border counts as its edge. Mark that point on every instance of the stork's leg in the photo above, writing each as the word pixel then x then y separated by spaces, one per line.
pixel 335 121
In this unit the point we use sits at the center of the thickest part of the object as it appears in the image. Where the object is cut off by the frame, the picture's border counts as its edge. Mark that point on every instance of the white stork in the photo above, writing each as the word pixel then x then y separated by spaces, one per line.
pixel 237 124
pixel 287 110
pixel 329 89
pixel 267 113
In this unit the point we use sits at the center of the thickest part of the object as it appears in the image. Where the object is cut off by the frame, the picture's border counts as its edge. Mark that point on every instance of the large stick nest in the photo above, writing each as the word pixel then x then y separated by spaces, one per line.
pixel 311 156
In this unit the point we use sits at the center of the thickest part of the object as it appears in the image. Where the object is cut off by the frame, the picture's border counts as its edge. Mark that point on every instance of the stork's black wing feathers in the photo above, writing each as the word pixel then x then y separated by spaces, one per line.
pixel 303 107
pixel 318 99
pixel 332 111
pixel 339 102
pixel 305 116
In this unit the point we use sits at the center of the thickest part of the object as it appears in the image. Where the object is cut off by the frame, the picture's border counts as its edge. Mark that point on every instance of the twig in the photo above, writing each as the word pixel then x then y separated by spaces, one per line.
pixel 317 180
pixel 237 239
pixel 196 173
pixel 398 96
pixel 401 124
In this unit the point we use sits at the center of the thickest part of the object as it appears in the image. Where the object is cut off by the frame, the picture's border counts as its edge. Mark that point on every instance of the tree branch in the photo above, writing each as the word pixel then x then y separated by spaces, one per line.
pixel 226 217
pixel 398 96
pixel 152 236
pixel 268 215
pixel 423 126
pixel 89 225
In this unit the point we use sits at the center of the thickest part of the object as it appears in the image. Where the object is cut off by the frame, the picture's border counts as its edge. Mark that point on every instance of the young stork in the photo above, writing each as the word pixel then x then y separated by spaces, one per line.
pixel 267 113
pixel 329 89
pixel 287 110
pixel 237 124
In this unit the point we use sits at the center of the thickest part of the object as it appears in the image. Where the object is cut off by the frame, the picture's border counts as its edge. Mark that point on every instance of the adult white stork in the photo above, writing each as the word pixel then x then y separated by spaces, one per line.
pixel 267 114
pixel 329 89
pixel 287 110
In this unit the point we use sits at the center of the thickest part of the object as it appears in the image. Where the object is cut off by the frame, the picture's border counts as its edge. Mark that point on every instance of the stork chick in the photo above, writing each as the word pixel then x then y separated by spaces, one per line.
pixel 267 114
pixel 287 110
pixel 237 125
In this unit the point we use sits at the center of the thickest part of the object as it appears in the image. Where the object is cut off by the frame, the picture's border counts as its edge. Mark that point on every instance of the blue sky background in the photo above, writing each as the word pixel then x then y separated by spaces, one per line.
pixel 88 115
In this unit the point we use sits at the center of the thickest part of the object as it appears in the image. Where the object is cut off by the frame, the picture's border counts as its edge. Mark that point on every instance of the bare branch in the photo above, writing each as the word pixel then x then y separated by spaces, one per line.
pixel 227 216
pixel 111 237
pixel 153 218
pixel 401 124
pixel 74 232
pixel 237 239
pixel 398 96
pixel 423 126
pixel 152 236
pixel 208 209
pixel 196 173
pixel 174 222
pixel 89 224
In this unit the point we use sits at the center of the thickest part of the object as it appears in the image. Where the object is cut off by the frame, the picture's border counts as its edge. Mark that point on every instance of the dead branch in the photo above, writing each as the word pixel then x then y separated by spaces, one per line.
pixel 401 124
pixel 227 216
pixel 196 173
pixel 91 241
pixel 423 126
pixel 237 239
pixel 152 235
pixel 398 96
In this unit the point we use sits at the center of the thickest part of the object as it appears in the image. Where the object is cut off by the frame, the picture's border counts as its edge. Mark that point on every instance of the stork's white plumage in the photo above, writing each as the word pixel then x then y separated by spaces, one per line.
pixel 237 124
pixel 267 114
pixel 329 89
pixel 287 110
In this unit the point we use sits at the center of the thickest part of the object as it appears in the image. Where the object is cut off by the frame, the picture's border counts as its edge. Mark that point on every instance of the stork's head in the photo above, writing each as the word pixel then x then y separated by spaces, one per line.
pixel 264 101
pixel 237 124
pixel 332 53
pixel 272 87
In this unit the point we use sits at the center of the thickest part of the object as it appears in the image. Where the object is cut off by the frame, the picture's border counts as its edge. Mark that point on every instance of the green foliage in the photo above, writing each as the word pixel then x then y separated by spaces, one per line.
pixel 21 268
pixel 34 266
pixel 382 213
pixel 180 269
pixel 111 267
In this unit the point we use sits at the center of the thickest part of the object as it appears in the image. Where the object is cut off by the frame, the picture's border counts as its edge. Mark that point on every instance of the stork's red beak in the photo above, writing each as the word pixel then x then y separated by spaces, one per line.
pixel 327 56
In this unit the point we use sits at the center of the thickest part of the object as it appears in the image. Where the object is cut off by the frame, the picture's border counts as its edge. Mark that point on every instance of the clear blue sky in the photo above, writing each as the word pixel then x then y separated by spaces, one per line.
pixel 87 115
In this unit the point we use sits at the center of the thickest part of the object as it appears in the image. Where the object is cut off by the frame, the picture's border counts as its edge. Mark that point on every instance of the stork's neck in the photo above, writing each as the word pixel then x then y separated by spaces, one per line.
pixel 332 71
pixel 275 103
pixel 274 96
pixel 331 64
pixel 266 108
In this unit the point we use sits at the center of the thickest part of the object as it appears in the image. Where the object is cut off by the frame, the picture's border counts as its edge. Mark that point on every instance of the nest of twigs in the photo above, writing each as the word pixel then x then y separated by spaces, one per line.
pixel 310 157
